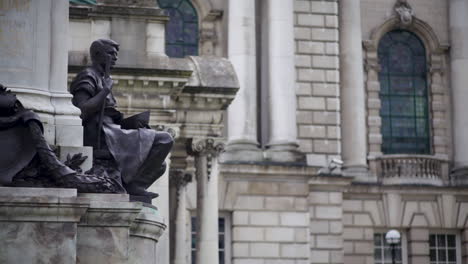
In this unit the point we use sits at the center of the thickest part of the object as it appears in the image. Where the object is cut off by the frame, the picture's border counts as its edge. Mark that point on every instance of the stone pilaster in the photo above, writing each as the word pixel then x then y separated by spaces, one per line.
pixel 458 23
pixel 418 245
pixel 206 152
pixel 242 117
pixel 353 105
pixel 464 245
pixel 282 146
pixel 178 182
pixel 326 218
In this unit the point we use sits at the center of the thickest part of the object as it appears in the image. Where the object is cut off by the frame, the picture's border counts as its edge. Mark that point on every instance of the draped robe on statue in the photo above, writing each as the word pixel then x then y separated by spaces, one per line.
pixel 139 153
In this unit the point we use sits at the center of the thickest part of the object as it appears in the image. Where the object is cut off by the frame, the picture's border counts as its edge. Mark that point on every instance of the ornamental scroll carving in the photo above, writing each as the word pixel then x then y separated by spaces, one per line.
pixel 206 147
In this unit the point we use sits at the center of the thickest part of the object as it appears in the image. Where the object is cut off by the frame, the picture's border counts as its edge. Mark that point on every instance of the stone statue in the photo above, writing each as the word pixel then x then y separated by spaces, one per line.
pixel 126 150
pixel 27 159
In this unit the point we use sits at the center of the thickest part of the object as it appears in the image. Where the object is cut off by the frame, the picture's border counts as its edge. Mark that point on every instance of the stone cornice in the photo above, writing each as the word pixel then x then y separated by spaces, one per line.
pixel 112 10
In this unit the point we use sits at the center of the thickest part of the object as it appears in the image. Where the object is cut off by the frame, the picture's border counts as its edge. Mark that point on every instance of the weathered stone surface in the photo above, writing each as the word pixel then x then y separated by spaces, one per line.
pixel 39 225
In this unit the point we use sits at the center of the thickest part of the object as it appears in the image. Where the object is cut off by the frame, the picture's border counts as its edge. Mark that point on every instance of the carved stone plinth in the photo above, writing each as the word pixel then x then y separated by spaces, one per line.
pixel 39 225
pixel 51 225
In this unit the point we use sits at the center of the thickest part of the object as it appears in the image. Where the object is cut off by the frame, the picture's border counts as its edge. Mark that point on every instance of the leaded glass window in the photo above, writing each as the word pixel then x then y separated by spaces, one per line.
pixel 442 249
pixel 182 28
pixel 383 251
pixel 403 94
pixel 84 2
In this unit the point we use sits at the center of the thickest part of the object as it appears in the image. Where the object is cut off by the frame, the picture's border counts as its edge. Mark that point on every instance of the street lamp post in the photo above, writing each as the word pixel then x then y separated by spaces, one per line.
pixel 393 237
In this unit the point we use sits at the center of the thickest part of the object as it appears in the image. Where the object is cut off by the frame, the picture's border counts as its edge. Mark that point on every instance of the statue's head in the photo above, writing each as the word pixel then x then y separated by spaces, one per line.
pixel 9 105
pixel 104 52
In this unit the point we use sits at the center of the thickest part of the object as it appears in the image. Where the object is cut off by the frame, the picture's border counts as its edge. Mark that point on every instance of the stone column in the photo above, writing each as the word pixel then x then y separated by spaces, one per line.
pixel 353 106
pixel 458 21
pixel 178 181
pixel 282 144
pixel 242 113
pixel 206 151
pixel 34 52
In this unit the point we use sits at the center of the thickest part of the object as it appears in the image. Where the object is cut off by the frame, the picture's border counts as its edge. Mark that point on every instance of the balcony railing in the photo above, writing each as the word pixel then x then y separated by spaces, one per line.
pixel 412 169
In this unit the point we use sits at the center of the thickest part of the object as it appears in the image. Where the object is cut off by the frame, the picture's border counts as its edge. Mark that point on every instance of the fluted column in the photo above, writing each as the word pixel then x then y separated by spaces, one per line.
pixel 458 19
pixel 242 113
pixel 206 151
pixel 282 144
pixel 353 107
pixel 178 181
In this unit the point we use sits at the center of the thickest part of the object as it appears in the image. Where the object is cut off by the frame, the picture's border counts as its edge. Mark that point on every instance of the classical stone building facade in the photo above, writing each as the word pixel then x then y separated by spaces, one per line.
pixel 286 87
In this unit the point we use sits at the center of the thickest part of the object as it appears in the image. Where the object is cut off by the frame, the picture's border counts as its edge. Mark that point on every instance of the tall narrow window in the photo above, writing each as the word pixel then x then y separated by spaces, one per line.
pixel 182 28
pixel 442 249
pixel 223 240
pixel 403 94
pixel 383 251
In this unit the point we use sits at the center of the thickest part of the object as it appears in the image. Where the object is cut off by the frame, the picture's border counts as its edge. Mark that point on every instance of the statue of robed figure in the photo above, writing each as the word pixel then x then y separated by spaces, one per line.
pixel 126 150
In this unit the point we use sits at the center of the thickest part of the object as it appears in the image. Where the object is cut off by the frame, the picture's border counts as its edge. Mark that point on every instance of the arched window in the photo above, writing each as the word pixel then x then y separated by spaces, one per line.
pixel 403 94
pixel 182 28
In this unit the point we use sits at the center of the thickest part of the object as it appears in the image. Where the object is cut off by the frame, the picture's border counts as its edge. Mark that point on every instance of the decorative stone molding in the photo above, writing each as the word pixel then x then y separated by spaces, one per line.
pixel 436 82
pixel 208 148
pixel 412 169
pixel 404 11
pixel 148 225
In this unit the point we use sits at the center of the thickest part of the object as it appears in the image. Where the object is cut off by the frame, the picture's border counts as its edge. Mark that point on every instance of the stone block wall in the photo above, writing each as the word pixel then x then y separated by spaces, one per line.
pixel 416 214
pixel 317 86
pixel 270 218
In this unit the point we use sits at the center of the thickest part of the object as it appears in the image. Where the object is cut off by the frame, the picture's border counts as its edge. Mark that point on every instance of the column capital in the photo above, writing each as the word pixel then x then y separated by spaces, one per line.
pixel 179 178
pixel 205 146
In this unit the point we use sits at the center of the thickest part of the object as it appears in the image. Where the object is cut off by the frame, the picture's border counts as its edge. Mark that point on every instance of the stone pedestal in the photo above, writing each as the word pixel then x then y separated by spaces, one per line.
pixel 103 232
pixel 145 232
pixel 48 225
pixel 39 225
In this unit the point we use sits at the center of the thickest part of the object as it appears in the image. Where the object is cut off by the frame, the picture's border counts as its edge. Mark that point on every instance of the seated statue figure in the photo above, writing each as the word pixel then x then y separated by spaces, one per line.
pixel 128 151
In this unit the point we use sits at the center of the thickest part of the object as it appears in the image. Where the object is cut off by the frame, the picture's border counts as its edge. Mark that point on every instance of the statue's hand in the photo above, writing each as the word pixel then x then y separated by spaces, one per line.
pixel 107 84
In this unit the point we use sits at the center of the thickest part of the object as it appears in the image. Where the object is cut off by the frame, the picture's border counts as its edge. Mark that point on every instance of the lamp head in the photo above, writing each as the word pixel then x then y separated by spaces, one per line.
pixel 393 237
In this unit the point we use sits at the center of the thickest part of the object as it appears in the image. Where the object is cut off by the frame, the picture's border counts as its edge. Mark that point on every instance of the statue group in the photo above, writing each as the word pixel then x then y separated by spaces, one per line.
pixel 128 156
